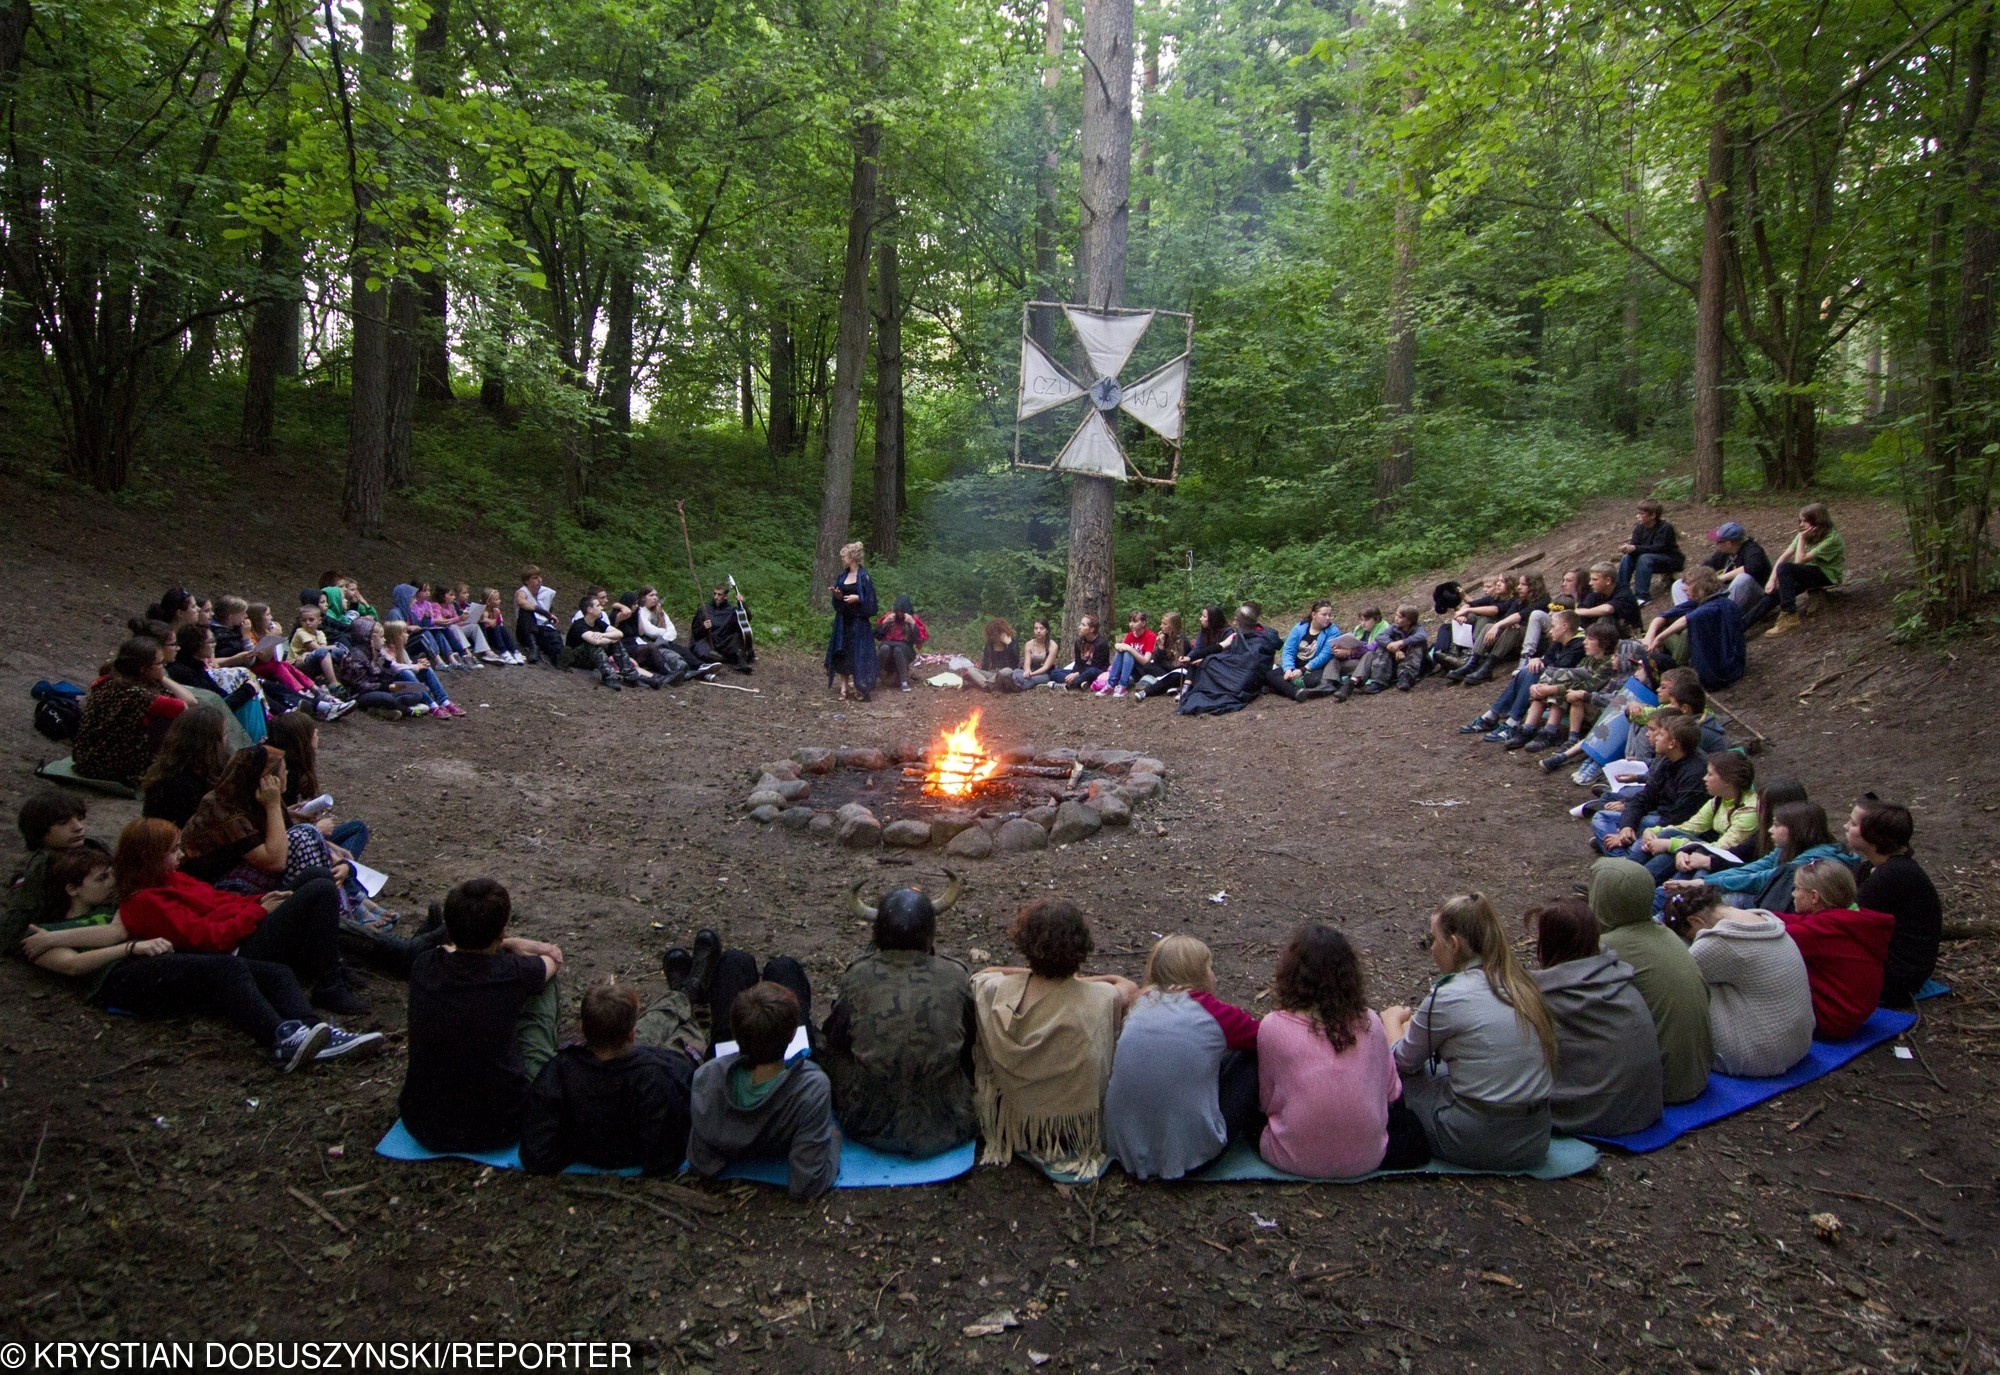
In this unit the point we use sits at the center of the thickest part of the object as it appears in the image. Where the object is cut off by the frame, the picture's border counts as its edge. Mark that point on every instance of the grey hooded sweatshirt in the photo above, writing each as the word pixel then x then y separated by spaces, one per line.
pixel 793 1122
pixel 1610 1075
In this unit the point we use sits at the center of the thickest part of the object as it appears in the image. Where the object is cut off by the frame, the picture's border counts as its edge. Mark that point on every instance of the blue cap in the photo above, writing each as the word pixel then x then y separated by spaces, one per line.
pixel 1729 530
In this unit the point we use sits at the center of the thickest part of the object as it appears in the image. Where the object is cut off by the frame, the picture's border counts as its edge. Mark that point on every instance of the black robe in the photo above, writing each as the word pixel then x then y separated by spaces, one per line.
pixel 1232 676
pixel 714 636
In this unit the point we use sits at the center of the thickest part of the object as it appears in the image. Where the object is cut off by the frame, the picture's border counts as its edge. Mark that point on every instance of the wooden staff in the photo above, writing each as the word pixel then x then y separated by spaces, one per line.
pixel 688 544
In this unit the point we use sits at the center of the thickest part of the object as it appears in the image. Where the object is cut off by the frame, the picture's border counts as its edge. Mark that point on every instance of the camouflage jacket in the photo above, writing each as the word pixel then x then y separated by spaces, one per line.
pixel 898 1048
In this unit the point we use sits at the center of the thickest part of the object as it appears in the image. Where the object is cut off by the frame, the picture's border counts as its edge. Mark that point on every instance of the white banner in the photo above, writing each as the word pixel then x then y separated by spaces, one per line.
pixel 1043 384
pixel 1155 399
pixel 1093 449
pixel 1108 339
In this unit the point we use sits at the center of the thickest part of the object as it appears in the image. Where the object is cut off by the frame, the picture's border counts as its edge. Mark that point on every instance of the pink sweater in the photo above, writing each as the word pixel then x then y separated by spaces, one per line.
pixel 1329 1111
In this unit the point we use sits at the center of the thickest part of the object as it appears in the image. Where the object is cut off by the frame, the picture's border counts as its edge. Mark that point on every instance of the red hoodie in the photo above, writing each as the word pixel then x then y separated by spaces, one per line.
pixel 198 918
pixel 1844 949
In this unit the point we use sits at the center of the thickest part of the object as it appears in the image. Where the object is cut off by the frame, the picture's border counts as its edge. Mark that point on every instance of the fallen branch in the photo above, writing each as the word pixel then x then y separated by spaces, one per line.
pixel 668 1213
pixel 1526 559
pixel 1923 1222
pixel 1720 706
pixel 731 687
pixel 302 1196
pixel 1969 931
pixel 33 1165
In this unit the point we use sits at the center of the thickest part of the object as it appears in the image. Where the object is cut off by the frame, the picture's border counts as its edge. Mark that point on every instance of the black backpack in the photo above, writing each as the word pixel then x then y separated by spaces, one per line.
pixel 58 709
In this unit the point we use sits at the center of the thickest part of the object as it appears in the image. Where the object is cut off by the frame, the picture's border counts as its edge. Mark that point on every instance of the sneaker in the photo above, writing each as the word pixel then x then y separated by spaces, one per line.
pixel 421 709
pixel 903 687
pixel 299 1044
pixel 1118 692
pixel 356 1043
pixel 1139 695
pixel 338 998
pixel 1478 725
pixel 338 710
pixel 385 713
pixel 1520 739
pixel 1590 772
pixel 1553 763
pixel 1500 735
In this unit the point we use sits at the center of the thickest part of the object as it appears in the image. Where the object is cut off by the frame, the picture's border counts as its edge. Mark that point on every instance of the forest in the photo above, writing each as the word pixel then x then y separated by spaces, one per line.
pixel 1453 268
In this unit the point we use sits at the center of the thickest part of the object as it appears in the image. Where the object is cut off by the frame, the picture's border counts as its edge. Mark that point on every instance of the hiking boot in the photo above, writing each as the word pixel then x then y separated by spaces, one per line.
pixel 1482 672
pixel 706 957
pixel 676 962
pixel 1786 623
pixel 359 1044
pixel 1344 691
pixel 1520 739
pixel 299 1044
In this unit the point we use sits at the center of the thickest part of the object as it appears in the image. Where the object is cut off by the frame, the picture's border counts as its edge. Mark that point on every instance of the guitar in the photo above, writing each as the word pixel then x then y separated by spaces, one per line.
pixel 742 616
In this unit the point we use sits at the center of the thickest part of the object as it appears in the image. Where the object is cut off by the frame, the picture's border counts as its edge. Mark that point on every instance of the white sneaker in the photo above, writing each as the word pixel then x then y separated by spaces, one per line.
pixel 301 1045
pixel 336 710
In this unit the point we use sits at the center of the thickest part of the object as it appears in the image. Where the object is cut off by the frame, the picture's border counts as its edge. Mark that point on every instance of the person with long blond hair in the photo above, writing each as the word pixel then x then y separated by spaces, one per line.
pixel 1184 1076
pixel 1478 1057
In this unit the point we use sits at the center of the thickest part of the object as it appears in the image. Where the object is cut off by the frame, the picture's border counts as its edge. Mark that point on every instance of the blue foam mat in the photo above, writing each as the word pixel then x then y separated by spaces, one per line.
pixel 1241 1164
pixel 1727 1095
pixel 63 770
pixel 860 1167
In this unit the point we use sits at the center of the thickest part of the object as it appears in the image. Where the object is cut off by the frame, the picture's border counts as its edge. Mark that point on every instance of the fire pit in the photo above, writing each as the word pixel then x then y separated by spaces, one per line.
pixel 956 793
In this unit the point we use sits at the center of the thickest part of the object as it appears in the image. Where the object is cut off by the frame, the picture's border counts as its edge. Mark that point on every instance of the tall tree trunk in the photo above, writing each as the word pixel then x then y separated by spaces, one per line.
pixel 428 61
pixel 836 487
pixel 1710 301
pixel 1627 417
pixel 1104 209
pixel 400 398
pixel 1962 437
pixel 614 365
pixel 1398 464
pixel 272 343
pixel 781 433
pixel 368 421
pixel 1047 221
pixel 888 395
pixel 492 394
pixel 1871 376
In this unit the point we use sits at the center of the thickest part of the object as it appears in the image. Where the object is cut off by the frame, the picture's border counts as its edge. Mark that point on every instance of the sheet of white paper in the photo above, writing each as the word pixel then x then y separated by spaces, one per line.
pixel 313 806
pixel 371 880
pixel 799 1046
pixel 1624 771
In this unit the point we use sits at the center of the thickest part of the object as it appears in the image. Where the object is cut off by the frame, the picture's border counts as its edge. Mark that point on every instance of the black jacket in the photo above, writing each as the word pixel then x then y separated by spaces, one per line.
pixel 1674 789
pixel 1750 559
pixel 1900 887
pixel 609 1113
pixel 1659 539
pixel 1090 659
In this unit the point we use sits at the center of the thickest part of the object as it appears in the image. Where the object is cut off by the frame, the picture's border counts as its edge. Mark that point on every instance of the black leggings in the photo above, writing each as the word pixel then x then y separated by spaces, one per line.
pixel 737 970
pixel 1239 1097
pixel 255 996
pixel 1409 1148
pixel 303 933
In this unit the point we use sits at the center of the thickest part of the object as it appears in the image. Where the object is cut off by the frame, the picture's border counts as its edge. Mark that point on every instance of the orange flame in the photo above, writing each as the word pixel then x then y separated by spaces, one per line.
pixel 960 762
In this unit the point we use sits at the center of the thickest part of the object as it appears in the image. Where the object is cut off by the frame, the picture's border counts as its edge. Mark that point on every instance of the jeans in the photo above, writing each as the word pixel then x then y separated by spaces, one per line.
pixel 1123 669
pixel 894 656
pixel 1636 571
pixel 254 996
pixel 1512 703
pixel 427 679
pixel 1604 823
pixel 737 971
pixel 303 933
pixel 1025 681
pixel 498 639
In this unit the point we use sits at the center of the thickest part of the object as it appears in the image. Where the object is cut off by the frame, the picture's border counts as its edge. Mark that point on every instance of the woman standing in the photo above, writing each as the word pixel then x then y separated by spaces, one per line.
pixel 850 649
pixel 1478 1058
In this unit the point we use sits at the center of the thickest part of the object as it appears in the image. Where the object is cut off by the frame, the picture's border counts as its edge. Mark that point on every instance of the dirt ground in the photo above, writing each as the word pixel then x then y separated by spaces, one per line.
pixel 181 1189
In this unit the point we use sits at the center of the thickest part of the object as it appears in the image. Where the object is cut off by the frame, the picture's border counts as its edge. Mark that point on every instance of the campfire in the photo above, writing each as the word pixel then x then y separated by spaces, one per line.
pixel 959 762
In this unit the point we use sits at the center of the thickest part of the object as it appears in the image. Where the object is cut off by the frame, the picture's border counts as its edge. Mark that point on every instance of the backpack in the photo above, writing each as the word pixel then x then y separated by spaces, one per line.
pixel 58 709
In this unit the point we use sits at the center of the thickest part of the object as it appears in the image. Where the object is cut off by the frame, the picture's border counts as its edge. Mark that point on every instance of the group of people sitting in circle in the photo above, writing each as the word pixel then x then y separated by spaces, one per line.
pixel 341 654
pixel 1573 645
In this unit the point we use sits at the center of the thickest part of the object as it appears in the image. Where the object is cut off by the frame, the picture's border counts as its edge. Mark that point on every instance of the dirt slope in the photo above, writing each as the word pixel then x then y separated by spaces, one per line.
pixel 161 1205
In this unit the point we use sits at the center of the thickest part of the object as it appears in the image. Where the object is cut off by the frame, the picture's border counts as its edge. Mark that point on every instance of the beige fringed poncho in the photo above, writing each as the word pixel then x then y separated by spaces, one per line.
pixel 1040 1075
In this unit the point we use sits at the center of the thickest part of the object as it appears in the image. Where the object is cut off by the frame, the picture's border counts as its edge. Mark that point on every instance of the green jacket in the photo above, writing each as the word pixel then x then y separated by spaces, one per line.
pixel 1621 894
pixel 1731 825
pixel 897 1047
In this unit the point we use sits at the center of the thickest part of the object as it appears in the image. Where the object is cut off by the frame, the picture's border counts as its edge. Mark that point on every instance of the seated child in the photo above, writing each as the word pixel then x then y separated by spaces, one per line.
pixel 1603 599
pixel 51 822
pixel 1655 547
pixel 1184 1076
pixel 1494 604
pixel 1705 632
pixel 1844 947
pixel 1760 1009
pixel 1727 821
pixel 1799 835
pixel 1621 898
pixel 1502 720
pixel 1402 658
pixel 756 1105
pixel 1326 1078
pixel 1352 651
pixel 482 1023
pixel 1565 693
pixel 609 1102
pixel 1609 1075
pixel 1673 792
